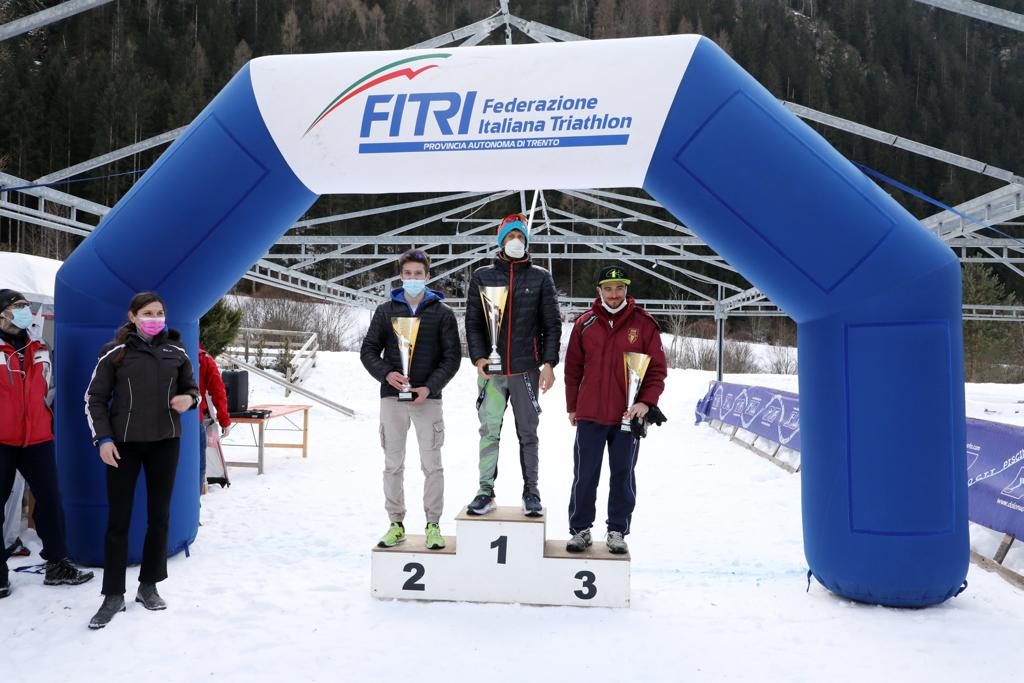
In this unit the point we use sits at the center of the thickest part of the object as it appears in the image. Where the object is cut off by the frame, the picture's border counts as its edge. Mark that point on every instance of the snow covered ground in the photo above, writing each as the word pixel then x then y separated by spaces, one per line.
pixel 278 584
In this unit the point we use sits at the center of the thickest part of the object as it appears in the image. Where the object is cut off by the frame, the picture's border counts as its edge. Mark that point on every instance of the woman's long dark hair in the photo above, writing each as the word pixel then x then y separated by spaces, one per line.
pixel 138 302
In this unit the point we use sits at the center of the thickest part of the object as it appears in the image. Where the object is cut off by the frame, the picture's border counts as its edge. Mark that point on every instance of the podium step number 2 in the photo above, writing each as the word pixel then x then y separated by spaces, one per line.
pixel 501 557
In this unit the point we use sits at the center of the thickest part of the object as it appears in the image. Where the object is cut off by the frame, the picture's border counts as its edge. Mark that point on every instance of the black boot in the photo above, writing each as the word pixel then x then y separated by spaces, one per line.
pixel 5 585
pixel 112 604
pixel 149 598
pixel 63 573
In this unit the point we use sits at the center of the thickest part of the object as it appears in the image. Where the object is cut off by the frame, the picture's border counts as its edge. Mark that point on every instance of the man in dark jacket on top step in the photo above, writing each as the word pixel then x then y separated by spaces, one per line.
pixel 527 343
pixel 436 355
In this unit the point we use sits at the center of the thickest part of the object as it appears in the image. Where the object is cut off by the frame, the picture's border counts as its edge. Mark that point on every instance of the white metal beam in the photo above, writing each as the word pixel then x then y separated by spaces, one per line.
pixel 977 10
pixel 47 16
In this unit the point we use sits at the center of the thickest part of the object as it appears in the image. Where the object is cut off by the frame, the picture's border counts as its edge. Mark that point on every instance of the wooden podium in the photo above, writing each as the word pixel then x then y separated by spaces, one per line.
pixel 501 557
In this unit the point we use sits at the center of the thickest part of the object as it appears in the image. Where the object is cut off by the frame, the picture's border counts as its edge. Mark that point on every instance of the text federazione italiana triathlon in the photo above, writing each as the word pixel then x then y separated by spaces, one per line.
pixel 562 114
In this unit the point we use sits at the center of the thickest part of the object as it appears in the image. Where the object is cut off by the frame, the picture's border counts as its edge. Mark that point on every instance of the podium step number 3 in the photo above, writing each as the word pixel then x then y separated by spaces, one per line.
pixel 501 557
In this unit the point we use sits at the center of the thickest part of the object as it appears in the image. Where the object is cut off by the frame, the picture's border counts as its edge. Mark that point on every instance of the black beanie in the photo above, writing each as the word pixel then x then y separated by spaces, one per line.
pixel 8 297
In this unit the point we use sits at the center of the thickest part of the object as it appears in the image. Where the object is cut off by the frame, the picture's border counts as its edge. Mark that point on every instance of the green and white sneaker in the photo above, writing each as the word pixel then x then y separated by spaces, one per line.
pixel 394 536
pixel 435 541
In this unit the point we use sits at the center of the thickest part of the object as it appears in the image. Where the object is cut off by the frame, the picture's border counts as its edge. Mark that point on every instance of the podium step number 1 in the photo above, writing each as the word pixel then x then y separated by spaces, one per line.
pixel 501 557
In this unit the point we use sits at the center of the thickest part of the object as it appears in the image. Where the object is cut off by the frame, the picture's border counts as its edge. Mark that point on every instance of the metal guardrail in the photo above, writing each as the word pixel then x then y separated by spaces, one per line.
pixel 263 342
pixel 228 359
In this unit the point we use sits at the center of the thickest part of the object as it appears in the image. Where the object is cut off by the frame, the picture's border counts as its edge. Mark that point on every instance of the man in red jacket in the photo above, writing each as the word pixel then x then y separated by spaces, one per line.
pixel 26 437
pixel 595 396
pixel 210 384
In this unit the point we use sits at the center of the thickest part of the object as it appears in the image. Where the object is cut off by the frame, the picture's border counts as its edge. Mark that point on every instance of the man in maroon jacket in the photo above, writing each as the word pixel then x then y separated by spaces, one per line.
pixel 595 396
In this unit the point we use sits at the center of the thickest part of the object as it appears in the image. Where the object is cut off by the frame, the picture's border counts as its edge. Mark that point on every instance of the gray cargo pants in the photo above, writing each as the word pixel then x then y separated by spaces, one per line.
pixel 428 419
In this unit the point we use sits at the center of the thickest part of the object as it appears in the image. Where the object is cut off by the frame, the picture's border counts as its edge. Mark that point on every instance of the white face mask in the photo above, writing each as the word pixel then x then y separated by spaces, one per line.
pixel 515 248
pixel 613 310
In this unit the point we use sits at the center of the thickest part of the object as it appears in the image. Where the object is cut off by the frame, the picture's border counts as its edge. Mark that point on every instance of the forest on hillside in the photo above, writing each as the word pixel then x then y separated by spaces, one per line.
pixel 135 68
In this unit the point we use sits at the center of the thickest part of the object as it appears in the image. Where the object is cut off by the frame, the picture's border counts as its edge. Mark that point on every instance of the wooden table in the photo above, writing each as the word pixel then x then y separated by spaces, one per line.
pixel 259 436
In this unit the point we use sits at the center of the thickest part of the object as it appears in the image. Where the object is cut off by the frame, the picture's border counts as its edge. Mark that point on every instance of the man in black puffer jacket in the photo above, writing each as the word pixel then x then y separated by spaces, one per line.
pixel 436 355
pixel 527 342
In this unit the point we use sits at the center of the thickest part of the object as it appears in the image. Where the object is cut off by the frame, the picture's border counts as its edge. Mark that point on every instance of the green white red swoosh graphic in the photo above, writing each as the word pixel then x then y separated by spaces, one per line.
pixel 374 78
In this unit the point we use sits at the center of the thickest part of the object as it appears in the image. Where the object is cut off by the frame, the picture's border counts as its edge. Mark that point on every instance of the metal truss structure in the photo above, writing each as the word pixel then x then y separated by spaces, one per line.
pixel 622 226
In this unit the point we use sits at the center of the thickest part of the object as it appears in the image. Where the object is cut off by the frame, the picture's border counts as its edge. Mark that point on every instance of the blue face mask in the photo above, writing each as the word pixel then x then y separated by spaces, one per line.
pixel 414 287
pixel 22 317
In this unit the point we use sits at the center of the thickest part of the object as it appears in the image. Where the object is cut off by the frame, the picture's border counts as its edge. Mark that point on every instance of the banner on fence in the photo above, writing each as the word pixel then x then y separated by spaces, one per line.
pixel 770 413
pixel 995 475
pixel 995 451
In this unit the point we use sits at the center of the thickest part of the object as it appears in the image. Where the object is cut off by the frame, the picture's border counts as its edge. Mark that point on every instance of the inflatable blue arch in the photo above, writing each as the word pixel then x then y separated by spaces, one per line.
pixel 876 297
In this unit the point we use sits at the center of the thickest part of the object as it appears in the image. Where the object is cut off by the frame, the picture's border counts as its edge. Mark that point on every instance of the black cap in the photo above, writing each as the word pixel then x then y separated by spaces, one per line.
pixel 8 297
pixel 613 274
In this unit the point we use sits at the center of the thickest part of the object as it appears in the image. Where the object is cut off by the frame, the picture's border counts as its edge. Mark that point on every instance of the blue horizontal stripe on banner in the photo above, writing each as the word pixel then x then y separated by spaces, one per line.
pixel 492 145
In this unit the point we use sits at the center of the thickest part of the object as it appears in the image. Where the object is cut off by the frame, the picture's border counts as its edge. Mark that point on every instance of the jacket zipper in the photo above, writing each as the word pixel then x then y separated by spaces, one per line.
pixel 131 402
pixel 174 432
pixel 508 329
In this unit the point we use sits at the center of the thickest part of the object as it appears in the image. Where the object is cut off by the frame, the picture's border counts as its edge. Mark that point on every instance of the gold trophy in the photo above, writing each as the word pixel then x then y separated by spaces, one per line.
pixel 493 300
pixel 636 367
pixel 406 329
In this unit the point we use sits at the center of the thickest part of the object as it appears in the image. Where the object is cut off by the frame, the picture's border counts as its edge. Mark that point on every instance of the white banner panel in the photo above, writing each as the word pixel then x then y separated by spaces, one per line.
pixel 564 115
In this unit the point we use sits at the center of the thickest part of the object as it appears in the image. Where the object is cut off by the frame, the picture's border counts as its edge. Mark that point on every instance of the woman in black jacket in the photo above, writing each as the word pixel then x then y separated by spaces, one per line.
pixel 142 382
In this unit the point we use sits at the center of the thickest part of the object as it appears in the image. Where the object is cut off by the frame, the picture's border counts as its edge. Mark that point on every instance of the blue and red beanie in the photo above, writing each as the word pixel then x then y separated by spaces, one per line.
pixel 516 221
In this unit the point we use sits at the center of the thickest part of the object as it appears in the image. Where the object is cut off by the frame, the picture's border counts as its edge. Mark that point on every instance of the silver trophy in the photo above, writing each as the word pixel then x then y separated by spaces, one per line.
pixel 406 329
pixel 493 300
pixel 636 367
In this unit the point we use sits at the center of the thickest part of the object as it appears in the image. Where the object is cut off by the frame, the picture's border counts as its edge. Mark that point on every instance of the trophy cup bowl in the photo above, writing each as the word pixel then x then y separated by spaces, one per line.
pixel 493 300
pixel 636 367
pixel 406 329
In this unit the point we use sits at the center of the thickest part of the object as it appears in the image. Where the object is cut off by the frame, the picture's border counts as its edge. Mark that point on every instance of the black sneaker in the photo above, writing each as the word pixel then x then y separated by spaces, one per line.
pixel 112 605
pixel 532 506
pixel 63 573
pixel 18 549
pixel 5 586
pixel 481 505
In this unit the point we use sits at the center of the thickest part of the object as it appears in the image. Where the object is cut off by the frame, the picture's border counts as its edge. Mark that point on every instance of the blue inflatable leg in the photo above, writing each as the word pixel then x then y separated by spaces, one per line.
pixel 877 301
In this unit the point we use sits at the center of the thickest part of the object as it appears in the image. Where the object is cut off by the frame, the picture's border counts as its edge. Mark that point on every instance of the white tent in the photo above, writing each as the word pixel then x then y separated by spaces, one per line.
pixel 33 276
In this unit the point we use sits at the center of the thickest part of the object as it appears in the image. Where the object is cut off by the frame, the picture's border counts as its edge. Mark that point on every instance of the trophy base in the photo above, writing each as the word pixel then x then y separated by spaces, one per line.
pixel 406 396
pixel 494 369
pixel 625 427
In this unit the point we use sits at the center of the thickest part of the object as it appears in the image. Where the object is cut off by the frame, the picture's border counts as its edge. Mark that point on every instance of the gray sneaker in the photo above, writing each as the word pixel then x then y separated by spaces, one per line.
pixel 579 542
pixel 617 543
pixel 112 605
pixel 149 597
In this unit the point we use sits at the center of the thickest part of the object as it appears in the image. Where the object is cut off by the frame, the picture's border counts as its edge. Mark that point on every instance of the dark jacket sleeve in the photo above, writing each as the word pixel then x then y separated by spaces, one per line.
pixel 451 353
pixel 551 322
pixel 98 395
pixel 657 370
pixel 573 368
pixel 373 346
pixel 187 381
pixel 476 327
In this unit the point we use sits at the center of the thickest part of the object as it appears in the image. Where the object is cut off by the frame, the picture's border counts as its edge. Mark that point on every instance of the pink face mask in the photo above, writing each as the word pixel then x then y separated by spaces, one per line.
pixel 150 326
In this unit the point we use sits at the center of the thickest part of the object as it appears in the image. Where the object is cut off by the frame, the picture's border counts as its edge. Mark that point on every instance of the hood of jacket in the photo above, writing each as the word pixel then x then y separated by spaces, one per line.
pixel 429 296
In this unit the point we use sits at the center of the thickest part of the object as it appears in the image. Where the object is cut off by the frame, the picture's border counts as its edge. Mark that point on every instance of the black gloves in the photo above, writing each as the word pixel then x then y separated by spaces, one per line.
pixel 654 416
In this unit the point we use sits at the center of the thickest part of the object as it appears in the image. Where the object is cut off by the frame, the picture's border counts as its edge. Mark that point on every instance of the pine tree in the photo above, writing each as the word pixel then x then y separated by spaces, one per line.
pixel 987 344
pixel 219 327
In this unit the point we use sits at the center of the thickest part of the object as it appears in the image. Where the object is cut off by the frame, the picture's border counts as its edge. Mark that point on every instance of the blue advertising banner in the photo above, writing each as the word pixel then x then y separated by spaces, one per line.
pixel 995 476
pixel 770 413
pixel 995 451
